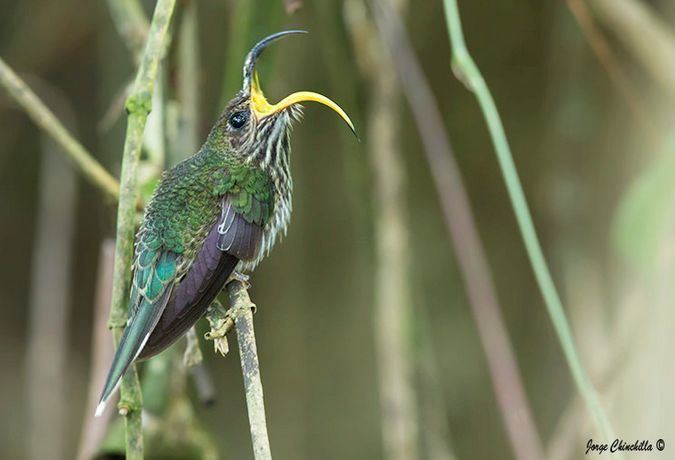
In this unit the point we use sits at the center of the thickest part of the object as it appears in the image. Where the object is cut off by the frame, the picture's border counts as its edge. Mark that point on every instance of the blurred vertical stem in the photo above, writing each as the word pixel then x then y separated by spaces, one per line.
pixel 435 417
pixel 188 83
pixel 339 64
pixel 242 19
pixel 456 207
pixel 467 72
pixel 607 58
pixel 93 430
pixel 393 298
pixel 131 24
pixel 47 362
pixel 644 33
pixel 138 106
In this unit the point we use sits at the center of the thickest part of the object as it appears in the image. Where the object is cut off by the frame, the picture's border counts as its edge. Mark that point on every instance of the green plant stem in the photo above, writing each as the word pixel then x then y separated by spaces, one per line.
pixel 45 119
pixel 138 106
pixel 467 71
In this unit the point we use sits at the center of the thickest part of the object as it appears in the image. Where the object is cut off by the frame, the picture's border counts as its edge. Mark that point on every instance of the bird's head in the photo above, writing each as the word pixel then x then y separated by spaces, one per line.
pixel 256 129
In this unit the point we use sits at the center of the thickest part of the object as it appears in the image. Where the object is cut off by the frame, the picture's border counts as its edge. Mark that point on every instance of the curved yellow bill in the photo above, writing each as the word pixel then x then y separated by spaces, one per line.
pixel 262 108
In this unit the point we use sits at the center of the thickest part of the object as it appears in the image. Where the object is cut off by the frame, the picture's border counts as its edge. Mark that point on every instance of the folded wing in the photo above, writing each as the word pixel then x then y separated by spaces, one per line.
pixel 231 239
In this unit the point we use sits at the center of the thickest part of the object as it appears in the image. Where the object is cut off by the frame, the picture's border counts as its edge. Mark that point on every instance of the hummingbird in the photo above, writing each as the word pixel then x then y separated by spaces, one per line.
pixel 216 213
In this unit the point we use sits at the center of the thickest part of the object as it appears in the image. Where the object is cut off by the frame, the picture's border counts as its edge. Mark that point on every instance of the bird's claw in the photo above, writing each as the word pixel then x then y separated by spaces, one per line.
pixel 241 277
pixel 221 323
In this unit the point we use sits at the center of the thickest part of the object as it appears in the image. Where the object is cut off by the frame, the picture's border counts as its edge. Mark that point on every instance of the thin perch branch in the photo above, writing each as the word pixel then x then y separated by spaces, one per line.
pixel 467 71
pixel 138 106
pixel 45 119
pixel 241 308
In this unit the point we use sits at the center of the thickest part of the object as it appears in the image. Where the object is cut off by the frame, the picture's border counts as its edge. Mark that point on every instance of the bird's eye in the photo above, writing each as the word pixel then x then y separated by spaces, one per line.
pixel 238 119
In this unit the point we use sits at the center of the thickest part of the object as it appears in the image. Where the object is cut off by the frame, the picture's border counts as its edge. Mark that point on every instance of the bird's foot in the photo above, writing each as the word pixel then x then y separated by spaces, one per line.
pixel 241 277
pixel 193 354
pixel 221 323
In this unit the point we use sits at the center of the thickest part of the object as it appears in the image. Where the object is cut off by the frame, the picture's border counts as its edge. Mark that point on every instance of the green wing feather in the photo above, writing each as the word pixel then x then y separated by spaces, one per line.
pixel 252 195
pixel 155 269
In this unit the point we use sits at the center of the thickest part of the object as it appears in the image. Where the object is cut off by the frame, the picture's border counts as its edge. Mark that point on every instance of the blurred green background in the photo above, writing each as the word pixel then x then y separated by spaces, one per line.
pixel 596 167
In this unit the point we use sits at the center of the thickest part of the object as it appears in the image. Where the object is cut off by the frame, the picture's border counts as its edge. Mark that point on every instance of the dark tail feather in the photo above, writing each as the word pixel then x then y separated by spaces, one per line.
pixel 133 340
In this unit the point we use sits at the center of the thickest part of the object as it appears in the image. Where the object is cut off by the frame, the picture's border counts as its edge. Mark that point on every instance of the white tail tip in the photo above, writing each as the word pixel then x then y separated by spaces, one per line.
pixel 100 408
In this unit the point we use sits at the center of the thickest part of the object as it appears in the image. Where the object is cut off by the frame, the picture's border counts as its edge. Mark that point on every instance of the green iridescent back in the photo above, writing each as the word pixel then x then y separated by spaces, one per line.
pixel 186 205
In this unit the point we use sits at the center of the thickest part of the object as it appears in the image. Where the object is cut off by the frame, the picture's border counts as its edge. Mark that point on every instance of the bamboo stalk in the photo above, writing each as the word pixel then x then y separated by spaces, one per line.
pixel 45 119
pixel 138 106
pixel 241 306
pixel 467 71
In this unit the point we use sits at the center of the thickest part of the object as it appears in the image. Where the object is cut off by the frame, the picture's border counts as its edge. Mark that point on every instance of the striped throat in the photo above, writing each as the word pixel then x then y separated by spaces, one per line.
pixel 272 154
